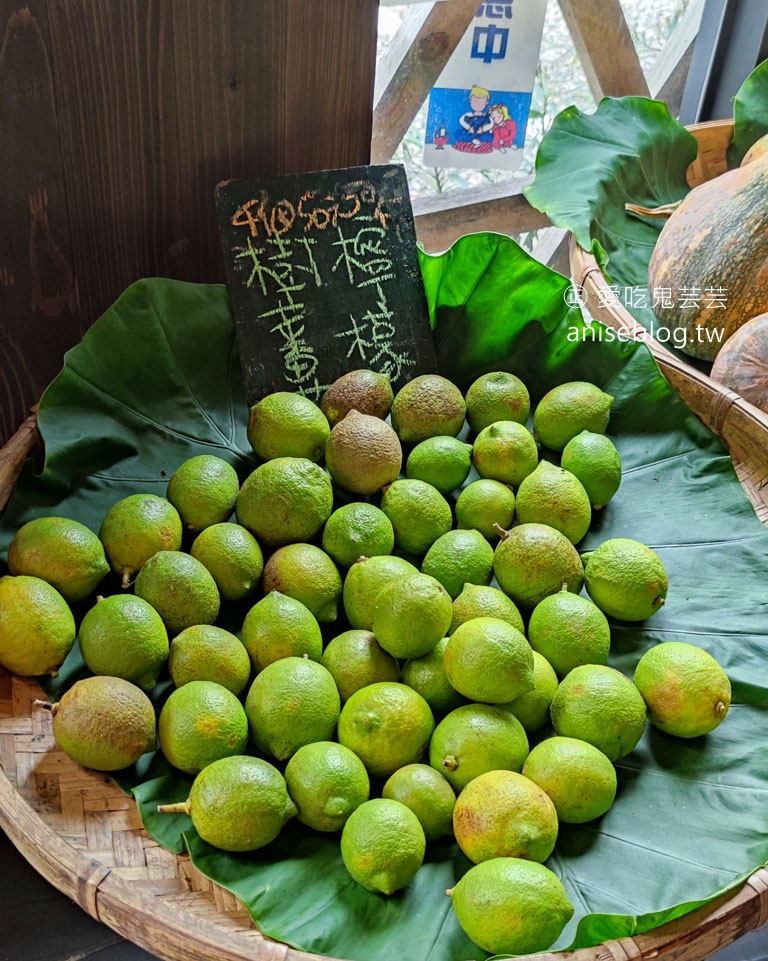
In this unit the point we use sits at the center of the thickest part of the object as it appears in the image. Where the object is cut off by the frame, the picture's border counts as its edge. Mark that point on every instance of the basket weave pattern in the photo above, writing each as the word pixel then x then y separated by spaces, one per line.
pixel 94 819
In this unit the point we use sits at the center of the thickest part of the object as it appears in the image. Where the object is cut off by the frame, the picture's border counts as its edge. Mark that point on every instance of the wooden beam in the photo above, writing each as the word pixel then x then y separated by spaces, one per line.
pixel 409 69
pixel 442 219
pixel 605 48
pixel 668 74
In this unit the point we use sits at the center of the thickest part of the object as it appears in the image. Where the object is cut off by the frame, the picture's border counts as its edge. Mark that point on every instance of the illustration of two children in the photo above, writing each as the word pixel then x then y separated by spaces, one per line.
pixel 483 129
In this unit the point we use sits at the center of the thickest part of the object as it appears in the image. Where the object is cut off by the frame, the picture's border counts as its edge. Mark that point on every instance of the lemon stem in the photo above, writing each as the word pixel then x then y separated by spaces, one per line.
pixel 182 807
pixel 501 532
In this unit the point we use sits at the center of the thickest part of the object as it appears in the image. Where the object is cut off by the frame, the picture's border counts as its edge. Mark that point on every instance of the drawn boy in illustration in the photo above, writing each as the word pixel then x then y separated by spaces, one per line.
pixel 475 126
pixel 504 128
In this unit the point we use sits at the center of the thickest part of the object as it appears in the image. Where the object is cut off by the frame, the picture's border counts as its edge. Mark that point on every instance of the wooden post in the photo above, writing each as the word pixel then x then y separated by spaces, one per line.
pixel 413 62
pixel 117 120
pixel 605 48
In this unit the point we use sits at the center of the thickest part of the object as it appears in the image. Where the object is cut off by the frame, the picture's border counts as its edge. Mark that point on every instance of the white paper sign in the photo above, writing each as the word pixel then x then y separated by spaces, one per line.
pixel 478 109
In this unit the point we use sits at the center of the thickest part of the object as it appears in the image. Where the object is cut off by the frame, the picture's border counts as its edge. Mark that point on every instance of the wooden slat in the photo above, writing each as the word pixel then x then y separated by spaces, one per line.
pixel 266 102
pixel 117 119
pixel 442 219
pixel 605 47
pixel 668 73
pixel 413 62
pixel 38 296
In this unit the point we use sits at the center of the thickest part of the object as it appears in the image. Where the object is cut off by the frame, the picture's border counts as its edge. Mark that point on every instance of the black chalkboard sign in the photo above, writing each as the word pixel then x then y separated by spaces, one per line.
pixel 323 278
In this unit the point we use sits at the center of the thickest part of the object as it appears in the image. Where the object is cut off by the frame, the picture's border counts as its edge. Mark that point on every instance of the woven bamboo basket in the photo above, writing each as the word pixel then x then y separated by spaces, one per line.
pixel 739 423
pixel 86 837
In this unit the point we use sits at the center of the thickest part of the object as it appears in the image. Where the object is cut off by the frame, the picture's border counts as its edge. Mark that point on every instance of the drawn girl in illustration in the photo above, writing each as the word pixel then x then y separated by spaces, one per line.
pixel 504 128
pixel 474 134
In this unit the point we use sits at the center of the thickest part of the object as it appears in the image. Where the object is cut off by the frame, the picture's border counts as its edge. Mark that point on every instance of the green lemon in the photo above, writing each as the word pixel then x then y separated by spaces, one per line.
pixel 327 782
pixel 686 691
pixel 203 490
pixel 356 660
pixel 457 558
pixel 476 738
pixel 497 396
pixel 593 458
pixel 232 556
pixel 180 589
pixel 285 500
pixel 477 600
pixel 533 561
pixel 426 675
pixel 280 626
pixel 124 636
pixel 292 702
pixel 569 631
pixel 207 653
pixel 200 723
pixel 137 527
pixel 237 803
pixel 419 514
pixel 427 793
pixel 363 454
pixel 306 573
pixel 285 424
pixel 365 578
pixel 532 708
pixel 553 496
pixel 599 705
pixel 382 845
pixel 66 554
pixel 567 410
pixel 489 660
pixel 506 452
pixel 501 814
pixel 578 777
pixel 366 391
pixel 411 616
pixel 37 629
pixel 485 505
pixel 443 462
pixel 387 725
pixel 104 723
pixel 626 579
pixel 427 406
pixel 357 530
pixel 511 906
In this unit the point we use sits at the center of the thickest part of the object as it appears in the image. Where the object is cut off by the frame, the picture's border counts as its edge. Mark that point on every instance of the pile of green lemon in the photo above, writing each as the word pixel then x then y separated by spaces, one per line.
pixel 417 623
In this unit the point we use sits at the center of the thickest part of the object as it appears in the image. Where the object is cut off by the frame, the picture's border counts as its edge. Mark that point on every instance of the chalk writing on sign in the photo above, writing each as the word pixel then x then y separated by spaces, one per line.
pixel 324 278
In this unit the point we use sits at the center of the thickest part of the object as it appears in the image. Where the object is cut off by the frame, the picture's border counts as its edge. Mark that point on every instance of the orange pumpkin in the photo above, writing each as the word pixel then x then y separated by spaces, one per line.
pixel 758 149
pixel 711 258
pixel 742 364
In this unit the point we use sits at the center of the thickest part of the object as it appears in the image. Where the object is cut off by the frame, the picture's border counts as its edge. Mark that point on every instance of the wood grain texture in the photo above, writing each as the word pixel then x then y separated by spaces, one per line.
pixel 410 67
pixel 118 118
pixel 605 48
pixel 39 318
pixel 501 207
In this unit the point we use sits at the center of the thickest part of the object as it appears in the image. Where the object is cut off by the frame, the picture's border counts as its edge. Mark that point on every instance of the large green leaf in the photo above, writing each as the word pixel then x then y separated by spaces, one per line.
pixel 156 380
pixel 750 114
pixel 631 150
pixel 162 347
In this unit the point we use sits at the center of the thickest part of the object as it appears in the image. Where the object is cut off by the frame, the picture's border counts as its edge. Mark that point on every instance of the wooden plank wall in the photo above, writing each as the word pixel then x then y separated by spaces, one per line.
pixel 117 119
